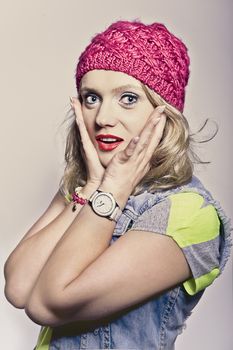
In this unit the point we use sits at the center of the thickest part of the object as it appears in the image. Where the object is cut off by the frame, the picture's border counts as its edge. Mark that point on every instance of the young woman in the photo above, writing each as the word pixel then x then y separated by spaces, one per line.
pixel 132 238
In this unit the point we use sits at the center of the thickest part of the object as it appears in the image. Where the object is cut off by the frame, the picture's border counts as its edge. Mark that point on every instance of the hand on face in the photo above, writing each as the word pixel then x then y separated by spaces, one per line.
pixel 94 167
pixel 130 165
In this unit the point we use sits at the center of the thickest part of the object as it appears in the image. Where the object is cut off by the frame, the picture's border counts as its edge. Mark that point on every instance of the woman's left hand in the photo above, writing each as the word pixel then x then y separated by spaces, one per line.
pixel 130 165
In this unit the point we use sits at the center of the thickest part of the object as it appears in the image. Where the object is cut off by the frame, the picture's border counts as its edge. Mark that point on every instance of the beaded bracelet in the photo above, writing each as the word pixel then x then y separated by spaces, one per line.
pixel 77 199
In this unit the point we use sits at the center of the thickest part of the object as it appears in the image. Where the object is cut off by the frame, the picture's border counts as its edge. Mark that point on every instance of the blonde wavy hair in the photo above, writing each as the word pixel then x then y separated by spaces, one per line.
pixel 171 164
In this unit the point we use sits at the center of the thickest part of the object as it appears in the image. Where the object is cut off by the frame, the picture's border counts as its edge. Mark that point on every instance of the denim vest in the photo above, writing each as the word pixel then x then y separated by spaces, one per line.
pixel 156 323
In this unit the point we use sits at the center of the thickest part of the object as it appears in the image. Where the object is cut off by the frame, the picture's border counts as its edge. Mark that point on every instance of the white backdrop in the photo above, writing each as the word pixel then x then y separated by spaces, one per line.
pixel 40 44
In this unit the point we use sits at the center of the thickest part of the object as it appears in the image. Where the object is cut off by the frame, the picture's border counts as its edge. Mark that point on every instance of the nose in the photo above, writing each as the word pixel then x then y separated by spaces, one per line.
pixel 106 115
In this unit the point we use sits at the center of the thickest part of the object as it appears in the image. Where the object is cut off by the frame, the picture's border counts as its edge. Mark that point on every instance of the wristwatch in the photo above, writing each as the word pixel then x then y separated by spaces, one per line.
pixel 104 204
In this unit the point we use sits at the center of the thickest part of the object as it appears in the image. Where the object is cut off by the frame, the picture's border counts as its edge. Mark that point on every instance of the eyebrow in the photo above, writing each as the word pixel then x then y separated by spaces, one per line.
pixel 115 90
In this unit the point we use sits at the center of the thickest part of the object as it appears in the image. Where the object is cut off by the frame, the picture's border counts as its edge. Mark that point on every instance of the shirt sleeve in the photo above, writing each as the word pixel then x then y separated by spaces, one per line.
pixel 194 225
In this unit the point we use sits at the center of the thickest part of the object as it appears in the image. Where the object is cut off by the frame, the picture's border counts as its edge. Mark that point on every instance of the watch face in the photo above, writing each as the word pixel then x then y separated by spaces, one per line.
pixel 103 204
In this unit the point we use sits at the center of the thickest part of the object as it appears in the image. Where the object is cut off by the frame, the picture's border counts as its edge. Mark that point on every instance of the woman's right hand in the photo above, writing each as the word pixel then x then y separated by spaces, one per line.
pixel 95 170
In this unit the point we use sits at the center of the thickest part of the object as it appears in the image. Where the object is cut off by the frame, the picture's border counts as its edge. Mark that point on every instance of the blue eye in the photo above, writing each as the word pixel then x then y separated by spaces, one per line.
pixel 90 98
pixel 131 99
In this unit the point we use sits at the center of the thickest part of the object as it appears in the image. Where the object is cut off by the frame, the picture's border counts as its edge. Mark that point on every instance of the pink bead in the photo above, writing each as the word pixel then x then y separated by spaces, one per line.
pixel 78 199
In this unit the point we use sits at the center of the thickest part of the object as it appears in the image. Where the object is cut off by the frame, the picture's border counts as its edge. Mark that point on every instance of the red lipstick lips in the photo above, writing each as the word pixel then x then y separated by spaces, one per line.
pixel 107 142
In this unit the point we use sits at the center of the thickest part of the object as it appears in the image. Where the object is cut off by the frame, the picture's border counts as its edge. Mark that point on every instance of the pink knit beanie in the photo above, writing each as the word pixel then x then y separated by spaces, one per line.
pixel 149 53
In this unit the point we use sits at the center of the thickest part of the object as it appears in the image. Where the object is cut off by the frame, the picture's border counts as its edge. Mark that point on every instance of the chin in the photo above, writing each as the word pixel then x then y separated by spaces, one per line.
pixel 105 159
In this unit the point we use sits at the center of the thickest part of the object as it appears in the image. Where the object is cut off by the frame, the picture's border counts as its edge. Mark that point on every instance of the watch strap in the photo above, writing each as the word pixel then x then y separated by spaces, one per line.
pixel 116 213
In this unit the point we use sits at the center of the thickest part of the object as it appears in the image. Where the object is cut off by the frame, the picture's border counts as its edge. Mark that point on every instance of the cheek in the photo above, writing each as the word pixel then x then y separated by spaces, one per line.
pixel 137 126
pixel 140 118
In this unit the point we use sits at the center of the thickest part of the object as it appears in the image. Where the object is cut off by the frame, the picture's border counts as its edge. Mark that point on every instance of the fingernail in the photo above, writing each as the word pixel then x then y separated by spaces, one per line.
pixel 71 103
pixel 135 139
pixel 161 109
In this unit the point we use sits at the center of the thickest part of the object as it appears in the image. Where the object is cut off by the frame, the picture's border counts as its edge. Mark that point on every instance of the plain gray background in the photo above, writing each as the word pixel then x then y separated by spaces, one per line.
pixel 40 44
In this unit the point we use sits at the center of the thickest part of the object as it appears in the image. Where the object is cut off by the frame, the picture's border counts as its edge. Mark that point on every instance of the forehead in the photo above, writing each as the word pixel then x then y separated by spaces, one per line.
pixel 109 80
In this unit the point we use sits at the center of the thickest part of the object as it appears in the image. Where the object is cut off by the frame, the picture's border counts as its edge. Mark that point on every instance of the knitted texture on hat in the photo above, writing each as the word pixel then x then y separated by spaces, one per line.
pixel 149 53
